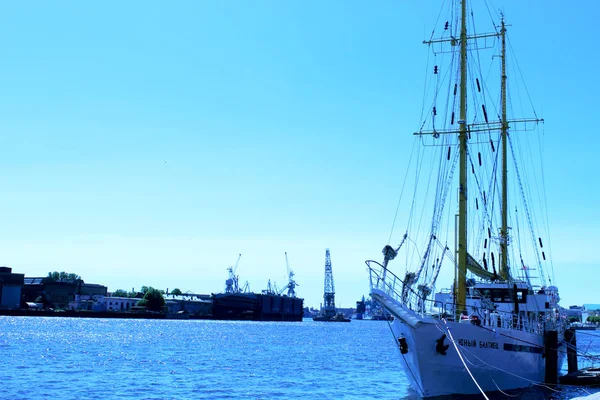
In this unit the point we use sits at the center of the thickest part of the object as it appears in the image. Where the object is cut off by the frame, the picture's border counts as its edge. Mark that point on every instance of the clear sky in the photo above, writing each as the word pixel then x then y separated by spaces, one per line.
pixel 150 142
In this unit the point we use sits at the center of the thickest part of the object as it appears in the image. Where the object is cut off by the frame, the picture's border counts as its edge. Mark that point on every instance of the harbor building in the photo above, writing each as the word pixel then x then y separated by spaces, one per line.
pixel 592 308
pixel 10 289
pixel 199 305
pixel 58 294
pixel 118 303
pixel 101 303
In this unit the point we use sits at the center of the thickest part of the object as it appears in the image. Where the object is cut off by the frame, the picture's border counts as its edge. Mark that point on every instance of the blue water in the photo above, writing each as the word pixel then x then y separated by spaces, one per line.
pixel 67 358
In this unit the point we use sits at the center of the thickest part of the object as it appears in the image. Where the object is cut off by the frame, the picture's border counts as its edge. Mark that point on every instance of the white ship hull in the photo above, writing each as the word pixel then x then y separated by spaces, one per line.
pixel 497 358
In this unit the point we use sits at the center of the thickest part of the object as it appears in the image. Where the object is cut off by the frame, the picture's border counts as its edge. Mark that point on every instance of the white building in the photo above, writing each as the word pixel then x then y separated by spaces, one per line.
pixel 120 303
pixel 102 303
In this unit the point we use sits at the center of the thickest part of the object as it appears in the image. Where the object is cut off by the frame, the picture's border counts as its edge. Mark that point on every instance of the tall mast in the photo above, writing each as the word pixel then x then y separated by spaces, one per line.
pixel 460 284
pixel 460 289
pixel 504 272
pixel 463 259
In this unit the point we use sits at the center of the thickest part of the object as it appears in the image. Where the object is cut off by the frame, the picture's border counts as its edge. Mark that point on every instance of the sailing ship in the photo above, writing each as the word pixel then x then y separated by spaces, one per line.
pixel 498 326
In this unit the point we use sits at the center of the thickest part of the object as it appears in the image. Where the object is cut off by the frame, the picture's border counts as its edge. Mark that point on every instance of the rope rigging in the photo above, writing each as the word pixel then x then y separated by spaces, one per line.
pixel 469 237
pixel 518 175
pixel 432 188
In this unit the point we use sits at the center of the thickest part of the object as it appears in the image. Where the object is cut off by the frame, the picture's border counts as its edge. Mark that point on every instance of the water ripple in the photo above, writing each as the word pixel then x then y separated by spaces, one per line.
pixel 71 358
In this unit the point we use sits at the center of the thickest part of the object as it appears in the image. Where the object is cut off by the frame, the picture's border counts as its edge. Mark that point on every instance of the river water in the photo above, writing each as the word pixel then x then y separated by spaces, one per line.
pixel 70 358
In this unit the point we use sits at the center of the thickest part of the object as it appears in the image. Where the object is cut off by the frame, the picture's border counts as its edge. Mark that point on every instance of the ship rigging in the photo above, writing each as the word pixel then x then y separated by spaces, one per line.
pixel 494 316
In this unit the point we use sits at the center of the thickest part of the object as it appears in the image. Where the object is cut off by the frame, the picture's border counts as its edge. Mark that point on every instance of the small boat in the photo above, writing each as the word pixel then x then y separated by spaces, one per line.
pixel 339 317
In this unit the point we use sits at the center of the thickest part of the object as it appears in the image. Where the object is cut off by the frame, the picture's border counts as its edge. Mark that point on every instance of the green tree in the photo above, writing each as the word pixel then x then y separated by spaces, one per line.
pixel 120 293
pixel 176 292
pixel 153 300
pixel 53 276
pixel 63 277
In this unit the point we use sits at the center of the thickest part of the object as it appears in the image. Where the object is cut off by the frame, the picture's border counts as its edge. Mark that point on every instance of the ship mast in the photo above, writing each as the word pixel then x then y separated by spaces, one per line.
pixel 460 284
pixel 463 258
pixel 504 271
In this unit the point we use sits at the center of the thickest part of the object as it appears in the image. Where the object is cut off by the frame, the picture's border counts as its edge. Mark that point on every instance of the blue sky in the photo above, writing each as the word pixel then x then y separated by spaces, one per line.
pixel 149 143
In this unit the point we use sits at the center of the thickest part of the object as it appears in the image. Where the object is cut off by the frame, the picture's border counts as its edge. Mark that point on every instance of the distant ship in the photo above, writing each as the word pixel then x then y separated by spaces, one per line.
pixel 339 317
pixel 271 305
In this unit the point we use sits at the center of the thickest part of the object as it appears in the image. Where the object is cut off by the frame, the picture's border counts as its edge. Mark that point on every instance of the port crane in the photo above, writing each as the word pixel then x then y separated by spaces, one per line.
pixel 328 311
pixel 329 290
pixel 231 284
pixel 291 286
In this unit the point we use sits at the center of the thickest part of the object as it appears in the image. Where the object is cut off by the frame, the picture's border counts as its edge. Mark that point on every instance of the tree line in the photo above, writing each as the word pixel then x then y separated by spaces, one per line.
pixel 593 319
pixel 63 277
pixel 151 298
pixel 142 292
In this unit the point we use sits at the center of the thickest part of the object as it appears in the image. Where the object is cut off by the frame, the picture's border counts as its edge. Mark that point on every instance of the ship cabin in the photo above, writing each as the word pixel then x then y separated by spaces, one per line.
pixel 518 306
pixel 499 304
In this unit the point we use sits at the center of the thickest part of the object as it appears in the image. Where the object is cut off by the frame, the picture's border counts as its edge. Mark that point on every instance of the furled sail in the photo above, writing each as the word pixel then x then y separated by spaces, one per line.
pixel 477 269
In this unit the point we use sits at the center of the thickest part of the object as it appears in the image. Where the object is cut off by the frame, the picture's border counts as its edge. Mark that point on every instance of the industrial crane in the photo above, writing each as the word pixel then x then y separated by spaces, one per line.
pixel 329 290
pixel 328 310
pixel 231 284
pixel 291 286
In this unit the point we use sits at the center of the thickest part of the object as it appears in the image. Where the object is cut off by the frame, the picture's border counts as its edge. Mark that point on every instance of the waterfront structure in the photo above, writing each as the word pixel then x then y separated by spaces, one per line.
pixel 58 295
pixel 87 302
pixel 238 303
pixel 593 308
pixel 257 307
pixel 194 305
pixel 112 303
pixel 10 288
pixel 101 303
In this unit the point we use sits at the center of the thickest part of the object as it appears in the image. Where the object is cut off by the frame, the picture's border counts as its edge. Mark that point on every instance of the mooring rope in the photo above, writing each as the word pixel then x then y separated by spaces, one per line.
pixel 535 383
pixel 510 373
pixel 463 361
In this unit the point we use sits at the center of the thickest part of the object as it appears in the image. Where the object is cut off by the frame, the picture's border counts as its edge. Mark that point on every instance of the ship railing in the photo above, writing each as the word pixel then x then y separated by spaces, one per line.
pixel 494 318
pixel 484 316
pixel 390 284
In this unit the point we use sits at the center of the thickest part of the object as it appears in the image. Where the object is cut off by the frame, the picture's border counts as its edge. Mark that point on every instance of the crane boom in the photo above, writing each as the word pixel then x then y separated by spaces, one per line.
pixel 237 263
pixel 291 286
pixel 287 264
